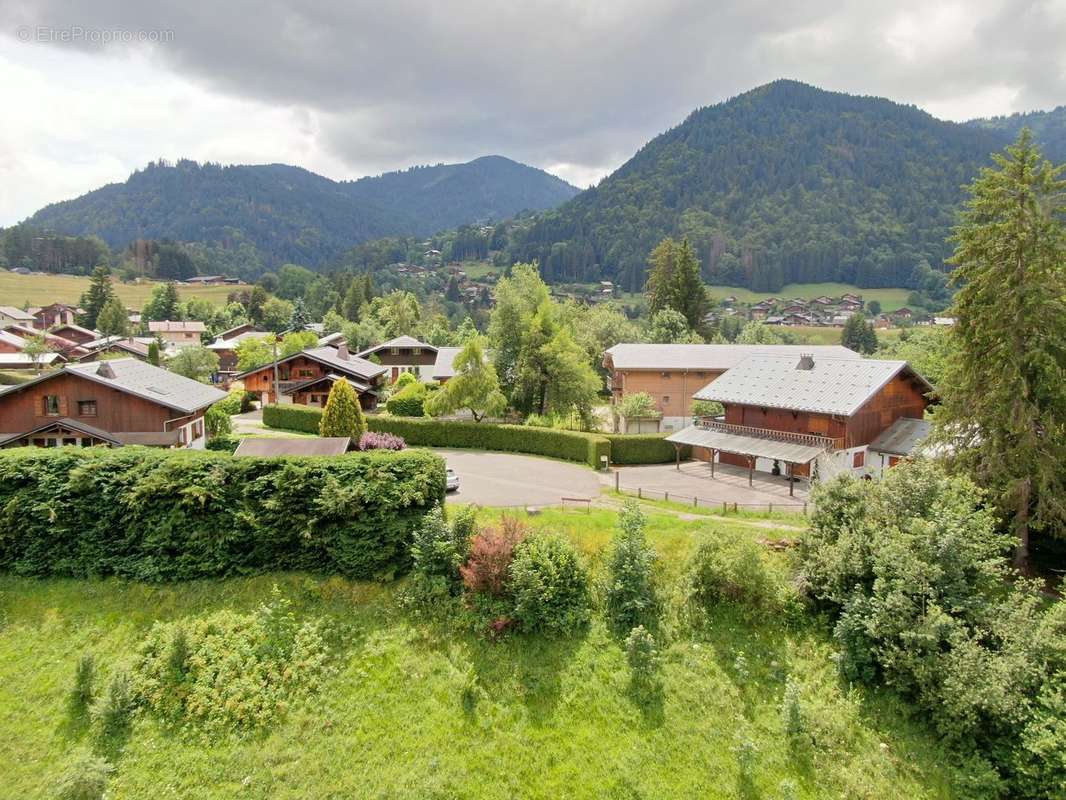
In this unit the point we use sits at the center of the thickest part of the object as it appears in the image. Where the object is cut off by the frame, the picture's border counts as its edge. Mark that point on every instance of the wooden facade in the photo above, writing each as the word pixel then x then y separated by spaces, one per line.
pixel 299 370
pixel 902 396
pixel 69 396
pixel 671 389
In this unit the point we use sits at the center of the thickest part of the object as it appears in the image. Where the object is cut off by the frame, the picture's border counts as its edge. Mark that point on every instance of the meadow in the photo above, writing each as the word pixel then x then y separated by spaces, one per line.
pixel 890 299
pixel 416 708
pixel 38 290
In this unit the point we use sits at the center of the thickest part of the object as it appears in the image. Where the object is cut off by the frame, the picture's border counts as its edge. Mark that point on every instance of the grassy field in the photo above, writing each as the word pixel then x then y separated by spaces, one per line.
pixel 816 334
pixel 476 270
pixel 549 719
pixel 890 299
pixel 38 290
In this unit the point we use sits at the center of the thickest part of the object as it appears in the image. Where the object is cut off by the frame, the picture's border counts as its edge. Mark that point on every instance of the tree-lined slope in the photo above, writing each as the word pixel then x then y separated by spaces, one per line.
pixel 290 214
pixel 786 183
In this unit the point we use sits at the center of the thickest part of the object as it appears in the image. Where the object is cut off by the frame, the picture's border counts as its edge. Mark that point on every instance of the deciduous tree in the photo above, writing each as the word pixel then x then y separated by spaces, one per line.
pixel 474 387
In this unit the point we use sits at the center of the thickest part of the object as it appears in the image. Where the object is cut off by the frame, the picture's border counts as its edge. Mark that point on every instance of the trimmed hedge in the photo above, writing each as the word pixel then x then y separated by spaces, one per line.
pixel 293 418
pixel 569 445
pixel 643 448
pixel 163 515
pixel 648 448
pixel 409 401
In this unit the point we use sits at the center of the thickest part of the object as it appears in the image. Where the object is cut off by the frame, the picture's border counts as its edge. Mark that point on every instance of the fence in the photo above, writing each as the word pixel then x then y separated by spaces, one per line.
pixel 702 502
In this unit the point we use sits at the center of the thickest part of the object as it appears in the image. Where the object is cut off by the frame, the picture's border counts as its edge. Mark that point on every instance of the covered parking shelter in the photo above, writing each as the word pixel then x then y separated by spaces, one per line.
pixel 792 449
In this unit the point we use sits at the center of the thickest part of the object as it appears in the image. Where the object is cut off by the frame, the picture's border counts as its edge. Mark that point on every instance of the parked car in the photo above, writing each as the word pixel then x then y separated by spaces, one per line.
pixel 451 480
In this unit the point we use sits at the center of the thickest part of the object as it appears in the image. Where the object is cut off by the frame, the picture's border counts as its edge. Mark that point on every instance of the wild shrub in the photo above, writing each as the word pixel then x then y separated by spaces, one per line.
pixel 81 692
pixel 642 655
pixel 230 671
pixel 84 778
pixel 550 586
pixel 487 567
pixel 629 593
pixel 913 569
pixel 439 547
pixel 114 711
pixel 728 570
pixel 793 717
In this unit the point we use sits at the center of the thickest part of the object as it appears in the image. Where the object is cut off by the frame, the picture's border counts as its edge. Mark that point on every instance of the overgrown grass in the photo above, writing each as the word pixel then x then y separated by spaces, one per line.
pixel 416 710
pixel 39 290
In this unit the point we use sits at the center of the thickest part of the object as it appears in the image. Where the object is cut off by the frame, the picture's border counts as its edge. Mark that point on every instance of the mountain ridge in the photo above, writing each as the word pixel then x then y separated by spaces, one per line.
pixel 290 213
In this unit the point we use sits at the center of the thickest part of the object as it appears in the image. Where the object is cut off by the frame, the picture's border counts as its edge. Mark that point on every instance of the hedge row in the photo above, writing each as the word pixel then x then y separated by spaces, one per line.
pixel 176 515
pixel 293 418
pixel 650 448
pixel 569 445
pixel 643 448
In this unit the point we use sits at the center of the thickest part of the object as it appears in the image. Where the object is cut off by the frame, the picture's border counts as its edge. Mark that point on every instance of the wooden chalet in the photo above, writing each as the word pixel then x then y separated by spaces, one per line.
pixel 673 373
pixel 116 402
pixel 307 377
pixel 805 415
pixel 74 333
pixel 404 354
pixel 53 315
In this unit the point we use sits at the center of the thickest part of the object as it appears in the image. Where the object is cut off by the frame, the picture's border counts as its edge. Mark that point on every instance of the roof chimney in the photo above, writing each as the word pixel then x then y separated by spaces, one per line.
pixel 806 362
pixel 342 351
pixel 105 370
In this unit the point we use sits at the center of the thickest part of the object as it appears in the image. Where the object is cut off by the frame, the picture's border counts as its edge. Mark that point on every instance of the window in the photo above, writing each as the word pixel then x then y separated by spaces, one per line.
pixel 666 399
pixel 859 459
pixel 664 374
pixel 305 373
pixel 893 460
pixel 416 351
pixel 86 408
pixel 394 351
pixel 51 405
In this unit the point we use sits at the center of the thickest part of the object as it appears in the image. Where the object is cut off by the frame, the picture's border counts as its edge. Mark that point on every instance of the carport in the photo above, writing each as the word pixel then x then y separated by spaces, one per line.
pixel 750 443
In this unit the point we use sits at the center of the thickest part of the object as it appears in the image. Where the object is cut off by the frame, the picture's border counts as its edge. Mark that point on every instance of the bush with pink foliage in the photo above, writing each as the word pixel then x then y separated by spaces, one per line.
pixel 381 441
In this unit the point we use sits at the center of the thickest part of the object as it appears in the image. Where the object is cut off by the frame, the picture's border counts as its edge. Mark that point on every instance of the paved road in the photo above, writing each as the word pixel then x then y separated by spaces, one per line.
pixel 506 479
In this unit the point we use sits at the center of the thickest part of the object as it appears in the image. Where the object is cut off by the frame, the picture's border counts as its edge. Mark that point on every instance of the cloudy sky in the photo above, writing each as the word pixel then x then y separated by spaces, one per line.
pixel 94 90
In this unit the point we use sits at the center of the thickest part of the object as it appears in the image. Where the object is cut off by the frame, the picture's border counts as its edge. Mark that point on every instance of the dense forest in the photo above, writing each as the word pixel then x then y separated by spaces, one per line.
pixel 276 213
pixel 1048 127
pixel 786 183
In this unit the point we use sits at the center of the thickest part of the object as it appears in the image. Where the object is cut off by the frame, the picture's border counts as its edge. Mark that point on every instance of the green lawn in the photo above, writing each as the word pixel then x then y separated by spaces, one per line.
pixel 38 290
pixel 477 270
pixel 551 719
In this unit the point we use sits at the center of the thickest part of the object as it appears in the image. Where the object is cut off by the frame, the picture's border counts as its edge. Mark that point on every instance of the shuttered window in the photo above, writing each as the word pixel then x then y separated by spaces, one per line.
pixel 50 406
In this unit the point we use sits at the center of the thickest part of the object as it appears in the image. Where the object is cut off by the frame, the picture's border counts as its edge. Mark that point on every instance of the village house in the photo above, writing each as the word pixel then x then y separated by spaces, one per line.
pixel 9 315
pixel 444 364
pixel 58 344
pixel 111 346
pixel 74 333
pixel 116 402
pixel 404 354
pixel 55 314
pixel 177 333
pixel 673 373
pixel 307 377
pixel 225 347
pixel 808 415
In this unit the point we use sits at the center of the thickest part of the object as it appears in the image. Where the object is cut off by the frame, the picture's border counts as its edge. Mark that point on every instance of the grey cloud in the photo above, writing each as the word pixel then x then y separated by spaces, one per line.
pixel 548 82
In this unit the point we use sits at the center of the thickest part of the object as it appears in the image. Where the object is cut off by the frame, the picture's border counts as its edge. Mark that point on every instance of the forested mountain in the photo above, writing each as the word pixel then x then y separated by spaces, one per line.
pixel 783 183
pixel 291 215
pixel 1048 127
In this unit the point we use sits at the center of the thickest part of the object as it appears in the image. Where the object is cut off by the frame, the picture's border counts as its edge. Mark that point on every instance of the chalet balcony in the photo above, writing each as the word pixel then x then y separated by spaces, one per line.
pixel 809 439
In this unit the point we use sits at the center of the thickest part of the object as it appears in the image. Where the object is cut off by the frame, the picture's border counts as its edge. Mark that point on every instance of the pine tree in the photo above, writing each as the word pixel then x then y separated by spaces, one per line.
pixel 300 318
pixel 354 299
pixel 342 416
pixel 153 354
pixel 660 276
pixel 859 335
pixel 96 296
pixel 113 319
pixel 1003 411
pixel 687 292
pixel 452 292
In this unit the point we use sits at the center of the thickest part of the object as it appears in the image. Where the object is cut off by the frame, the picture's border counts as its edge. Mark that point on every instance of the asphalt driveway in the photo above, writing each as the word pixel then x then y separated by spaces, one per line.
pixel 506 479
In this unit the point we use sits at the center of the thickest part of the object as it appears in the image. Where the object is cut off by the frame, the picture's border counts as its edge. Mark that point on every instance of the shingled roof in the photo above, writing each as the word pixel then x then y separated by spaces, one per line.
pixel 827 386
